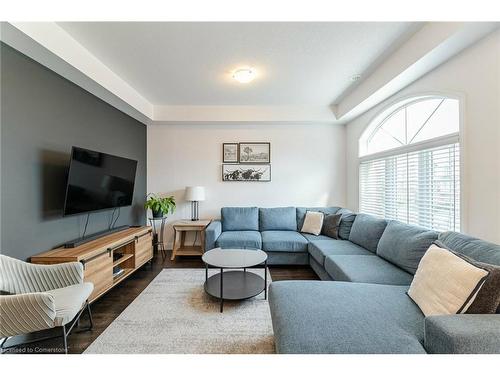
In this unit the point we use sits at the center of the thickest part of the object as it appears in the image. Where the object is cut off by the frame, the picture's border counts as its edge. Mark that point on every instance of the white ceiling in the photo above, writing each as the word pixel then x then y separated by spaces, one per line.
pixel 190 63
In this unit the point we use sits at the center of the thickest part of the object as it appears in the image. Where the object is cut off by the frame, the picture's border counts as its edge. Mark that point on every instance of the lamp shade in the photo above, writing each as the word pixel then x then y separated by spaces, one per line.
pixel 195 193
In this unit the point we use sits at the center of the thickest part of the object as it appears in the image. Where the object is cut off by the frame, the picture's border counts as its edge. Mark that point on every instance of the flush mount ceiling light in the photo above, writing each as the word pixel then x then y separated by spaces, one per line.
pixel 244 75
pixel 355 77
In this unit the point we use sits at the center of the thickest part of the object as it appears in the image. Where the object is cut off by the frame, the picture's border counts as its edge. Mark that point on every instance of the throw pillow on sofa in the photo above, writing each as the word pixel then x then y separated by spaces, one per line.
pixel 313 223
pixel 331 224
pixel 346 222
pixel 487 300
pixel 445 283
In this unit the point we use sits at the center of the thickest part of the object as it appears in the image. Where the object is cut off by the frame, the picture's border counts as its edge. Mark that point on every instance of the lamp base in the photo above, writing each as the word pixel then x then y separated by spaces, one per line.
pixel 194 211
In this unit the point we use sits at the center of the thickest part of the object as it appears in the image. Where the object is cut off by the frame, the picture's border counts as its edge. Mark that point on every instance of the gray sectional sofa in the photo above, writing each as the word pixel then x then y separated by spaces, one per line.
pixel 361 305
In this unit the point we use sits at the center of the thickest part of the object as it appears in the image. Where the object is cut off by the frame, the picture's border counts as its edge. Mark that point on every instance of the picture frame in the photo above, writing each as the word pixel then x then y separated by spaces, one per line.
pixel 246 172
pixel 254 152
pixel 230 152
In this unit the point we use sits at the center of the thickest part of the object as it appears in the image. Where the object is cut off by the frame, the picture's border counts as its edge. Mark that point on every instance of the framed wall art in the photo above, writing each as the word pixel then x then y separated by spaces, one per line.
pixel 247 172
pixel 254 152
pixel 230 153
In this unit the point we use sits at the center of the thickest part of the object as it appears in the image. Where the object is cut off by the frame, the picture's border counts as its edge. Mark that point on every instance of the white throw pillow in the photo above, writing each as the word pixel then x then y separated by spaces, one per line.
pixel 313 223
pixel 444 283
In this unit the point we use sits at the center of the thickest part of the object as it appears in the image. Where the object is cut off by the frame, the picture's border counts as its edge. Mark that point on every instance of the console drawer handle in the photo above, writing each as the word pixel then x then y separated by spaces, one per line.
pixel 142 235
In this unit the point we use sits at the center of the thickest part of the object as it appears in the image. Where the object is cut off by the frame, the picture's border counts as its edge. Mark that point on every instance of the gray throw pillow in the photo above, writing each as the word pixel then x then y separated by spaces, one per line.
pixel 348 218
pixel 331 225
pixel 487 300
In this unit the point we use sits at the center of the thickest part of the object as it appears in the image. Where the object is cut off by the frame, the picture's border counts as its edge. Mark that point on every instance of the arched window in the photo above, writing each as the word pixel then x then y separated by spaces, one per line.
pixel 409 163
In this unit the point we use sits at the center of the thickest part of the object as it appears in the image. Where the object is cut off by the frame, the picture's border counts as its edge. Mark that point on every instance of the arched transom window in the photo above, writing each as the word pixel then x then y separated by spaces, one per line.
pixel 409 163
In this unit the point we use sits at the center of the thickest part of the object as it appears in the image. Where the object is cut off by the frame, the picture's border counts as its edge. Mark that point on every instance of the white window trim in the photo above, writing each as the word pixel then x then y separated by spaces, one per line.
pixel 404 100
pixel 430 143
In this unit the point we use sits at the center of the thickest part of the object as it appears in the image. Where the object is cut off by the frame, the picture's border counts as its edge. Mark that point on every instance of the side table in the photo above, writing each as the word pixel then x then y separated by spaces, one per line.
pixel 180 229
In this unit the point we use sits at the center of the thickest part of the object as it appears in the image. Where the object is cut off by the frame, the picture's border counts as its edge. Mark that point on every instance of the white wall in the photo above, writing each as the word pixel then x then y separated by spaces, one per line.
pixel 475 76
pixel 308 166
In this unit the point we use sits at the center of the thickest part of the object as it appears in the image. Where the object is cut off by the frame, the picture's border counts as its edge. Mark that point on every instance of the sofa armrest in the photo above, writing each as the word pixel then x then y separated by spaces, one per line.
pixel 463 333
pixel 212 232
pixel 25 313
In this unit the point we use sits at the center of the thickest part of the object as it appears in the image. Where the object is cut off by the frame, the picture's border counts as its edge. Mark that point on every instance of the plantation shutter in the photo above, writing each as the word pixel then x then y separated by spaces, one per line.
pixel 420 187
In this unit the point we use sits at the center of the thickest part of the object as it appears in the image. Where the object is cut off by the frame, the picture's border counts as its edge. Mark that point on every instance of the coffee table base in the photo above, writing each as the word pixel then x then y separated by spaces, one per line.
pixel 236 285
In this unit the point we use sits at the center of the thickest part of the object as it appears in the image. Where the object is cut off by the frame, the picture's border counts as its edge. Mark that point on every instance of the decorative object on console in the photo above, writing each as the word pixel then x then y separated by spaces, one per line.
pixel 160 206
pixel 331 224
pixel 257 173
pixel 445 283
pixel 195 194
pixel 255 152
pixel 230 152
pixel 313 223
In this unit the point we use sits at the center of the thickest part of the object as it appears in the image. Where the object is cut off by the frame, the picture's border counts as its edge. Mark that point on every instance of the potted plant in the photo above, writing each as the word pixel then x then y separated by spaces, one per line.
pixel 160 206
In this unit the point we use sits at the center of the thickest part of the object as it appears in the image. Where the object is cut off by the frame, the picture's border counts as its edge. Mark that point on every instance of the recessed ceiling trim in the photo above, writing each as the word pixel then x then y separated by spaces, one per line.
pixel 431 46
pixel 244 114
pixel 51 46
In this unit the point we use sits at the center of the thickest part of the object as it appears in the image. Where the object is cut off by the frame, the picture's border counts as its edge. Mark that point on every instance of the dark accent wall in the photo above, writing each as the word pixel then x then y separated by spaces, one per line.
pixel 42 116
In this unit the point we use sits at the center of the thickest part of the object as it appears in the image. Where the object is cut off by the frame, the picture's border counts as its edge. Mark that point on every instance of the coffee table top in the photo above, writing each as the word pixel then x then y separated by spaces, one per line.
pixel 234 258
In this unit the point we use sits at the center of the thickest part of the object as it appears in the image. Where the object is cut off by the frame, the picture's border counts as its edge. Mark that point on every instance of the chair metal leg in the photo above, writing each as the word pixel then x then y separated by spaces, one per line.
pixel 65 340
pixel 3 341
pixel 90 317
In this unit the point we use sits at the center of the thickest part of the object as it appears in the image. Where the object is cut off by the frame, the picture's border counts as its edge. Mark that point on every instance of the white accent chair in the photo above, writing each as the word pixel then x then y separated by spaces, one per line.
pixel 39 297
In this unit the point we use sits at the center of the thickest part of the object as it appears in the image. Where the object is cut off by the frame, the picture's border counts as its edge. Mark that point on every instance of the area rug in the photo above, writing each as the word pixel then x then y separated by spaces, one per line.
pixel 175 315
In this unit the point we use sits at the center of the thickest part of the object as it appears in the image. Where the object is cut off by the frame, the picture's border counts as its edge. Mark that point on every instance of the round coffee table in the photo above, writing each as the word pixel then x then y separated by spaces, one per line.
pixel 235 285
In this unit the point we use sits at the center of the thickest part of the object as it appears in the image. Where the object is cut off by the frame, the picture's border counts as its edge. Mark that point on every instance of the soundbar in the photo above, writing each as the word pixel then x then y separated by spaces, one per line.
pixel 82 240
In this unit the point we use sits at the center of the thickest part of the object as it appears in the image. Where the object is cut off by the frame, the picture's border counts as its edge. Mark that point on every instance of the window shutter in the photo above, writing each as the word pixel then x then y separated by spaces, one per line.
pixel 420 187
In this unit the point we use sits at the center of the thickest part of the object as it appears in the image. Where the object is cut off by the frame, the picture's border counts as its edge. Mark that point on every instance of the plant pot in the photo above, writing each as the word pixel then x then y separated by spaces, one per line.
pixel 157 214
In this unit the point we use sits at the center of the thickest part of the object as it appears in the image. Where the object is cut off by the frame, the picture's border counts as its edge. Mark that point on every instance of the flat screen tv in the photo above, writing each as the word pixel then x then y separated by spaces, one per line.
pixel 98 181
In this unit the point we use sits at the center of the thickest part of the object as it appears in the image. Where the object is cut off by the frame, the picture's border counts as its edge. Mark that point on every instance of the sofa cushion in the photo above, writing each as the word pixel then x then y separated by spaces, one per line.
pixel 346 221
pixel 278 218
pixel 320 249
pixel 365 269
pixel 334 317
pixel 69 301
pixel 474 248
pixel 404 245
pixel 247 239
pixel 312 237
pixel 280 240
pixel 462 334
pixel 301 213
pixel 240 218
pixel 367 230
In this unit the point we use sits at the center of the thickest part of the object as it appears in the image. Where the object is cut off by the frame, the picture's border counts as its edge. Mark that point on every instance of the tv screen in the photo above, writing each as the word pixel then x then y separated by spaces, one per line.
pixel 98 181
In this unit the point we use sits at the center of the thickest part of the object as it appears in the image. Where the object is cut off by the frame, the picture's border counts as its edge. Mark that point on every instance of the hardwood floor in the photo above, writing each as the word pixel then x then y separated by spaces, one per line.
pixel 108 307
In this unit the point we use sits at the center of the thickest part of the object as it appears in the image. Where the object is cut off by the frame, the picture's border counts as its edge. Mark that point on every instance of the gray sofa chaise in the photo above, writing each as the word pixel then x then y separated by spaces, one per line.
pixel 361 305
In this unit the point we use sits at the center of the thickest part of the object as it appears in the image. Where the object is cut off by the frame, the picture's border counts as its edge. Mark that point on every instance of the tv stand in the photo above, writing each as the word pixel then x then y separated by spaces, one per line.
pixel 80 241
pixel 128 249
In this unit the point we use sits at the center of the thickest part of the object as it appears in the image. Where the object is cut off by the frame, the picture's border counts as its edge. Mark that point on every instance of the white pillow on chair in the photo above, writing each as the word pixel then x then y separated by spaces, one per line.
pixel 313 223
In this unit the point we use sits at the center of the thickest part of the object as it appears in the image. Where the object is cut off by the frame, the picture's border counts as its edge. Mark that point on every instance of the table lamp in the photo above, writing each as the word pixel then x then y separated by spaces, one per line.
pixel 195 194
